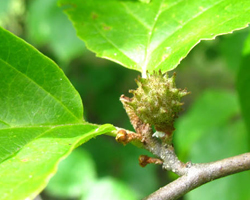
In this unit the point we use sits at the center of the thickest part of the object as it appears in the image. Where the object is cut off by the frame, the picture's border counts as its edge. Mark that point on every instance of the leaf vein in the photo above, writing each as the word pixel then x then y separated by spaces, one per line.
pixel 111 42
pixel 134 16
pixel 39 86
pixel 144 67
pixel 180 27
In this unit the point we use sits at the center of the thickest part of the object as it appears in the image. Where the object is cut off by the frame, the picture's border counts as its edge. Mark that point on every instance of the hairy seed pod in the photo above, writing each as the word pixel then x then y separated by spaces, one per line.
pixel 156 101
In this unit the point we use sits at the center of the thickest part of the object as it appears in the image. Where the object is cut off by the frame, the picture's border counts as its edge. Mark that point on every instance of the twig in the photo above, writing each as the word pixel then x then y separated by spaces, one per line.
pixel 159 109
pixel 191 175
pixel 199 174
pixel 164 152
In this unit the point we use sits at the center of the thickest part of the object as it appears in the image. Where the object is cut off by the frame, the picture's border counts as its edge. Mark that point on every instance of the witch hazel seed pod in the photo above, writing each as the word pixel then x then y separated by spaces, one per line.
pixel 157 101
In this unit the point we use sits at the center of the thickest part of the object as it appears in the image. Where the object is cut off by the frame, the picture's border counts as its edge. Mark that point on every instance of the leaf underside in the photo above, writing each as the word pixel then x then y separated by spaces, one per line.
pixel 155 35
pixel 40 120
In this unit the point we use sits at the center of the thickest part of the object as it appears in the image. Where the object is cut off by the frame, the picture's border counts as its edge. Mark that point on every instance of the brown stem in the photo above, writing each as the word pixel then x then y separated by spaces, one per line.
pixel 199 174
pixel 144 139
pixel 192 175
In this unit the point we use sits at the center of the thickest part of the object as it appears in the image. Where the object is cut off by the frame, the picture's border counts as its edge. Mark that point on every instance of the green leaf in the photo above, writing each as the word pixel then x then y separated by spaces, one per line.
pixel 40 119
pixel 145 1
pixel 152 36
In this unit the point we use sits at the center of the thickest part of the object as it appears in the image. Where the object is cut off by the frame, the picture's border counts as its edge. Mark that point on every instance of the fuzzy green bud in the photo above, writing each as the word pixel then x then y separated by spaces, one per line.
pixel 156 101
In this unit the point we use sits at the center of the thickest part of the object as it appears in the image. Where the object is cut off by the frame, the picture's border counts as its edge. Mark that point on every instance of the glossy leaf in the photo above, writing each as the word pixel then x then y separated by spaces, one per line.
pixel 40 119
pixel 155 35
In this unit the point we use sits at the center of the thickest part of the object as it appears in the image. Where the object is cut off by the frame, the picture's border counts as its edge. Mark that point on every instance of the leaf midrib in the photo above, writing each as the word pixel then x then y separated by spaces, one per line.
pixel 112 43
pixel 50 127
pixel 3 122
pixel 55 165
pixel 146 58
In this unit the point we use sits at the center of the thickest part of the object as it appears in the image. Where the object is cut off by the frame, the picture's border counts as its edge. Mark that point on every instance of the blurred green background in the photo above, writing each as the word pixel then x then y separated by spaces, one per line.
pixel 210 127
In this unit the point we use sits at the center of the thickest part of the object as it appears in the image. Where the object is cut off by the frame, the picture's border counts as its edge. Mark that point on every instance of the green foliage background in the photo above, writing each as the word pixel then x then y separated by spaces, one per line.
pixel 211 127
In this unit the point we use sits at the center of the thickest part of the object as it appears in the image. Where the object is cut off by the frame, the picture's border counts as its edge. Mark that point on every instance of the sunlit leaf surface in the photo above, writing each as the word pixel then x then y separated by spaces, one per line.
pixel 40 120
pixel 155 35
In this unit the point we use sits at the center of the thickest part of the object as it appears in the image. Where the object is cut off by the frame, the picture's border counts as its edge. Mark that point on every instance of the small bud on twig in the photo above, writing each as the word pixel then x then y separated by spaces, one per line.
pixel 144 160
pixel 124 137
pixel 156 102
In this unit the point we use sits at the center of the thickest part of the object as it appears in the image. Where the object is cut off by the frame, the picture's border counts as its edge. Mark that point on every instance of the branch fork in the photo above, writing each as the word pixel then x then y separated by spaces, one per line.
pixel 158 93
pixel 191 175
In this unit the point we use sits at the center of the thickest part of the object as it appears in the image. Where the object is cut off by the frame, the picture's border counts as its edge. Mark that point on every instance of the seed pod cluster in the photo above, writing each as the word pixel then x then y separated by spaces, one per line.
pixel 156 101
